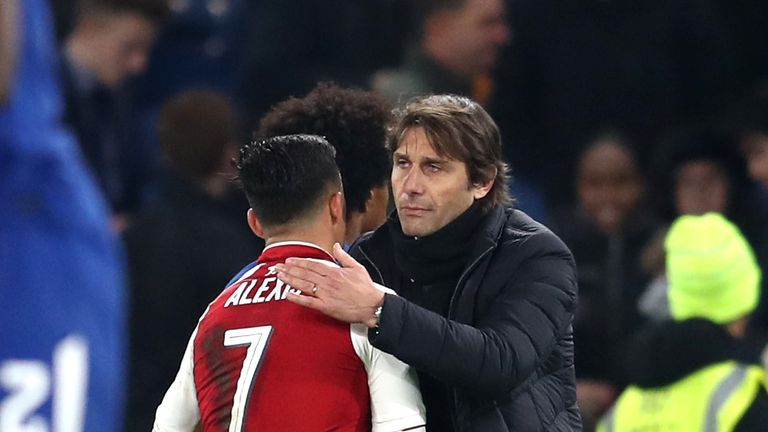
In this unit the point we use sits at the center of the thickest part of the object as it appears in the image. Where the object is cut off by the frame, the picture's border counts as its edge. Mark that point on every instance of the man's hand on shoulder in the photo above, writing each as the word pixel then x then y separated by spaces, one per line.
pixel 346 293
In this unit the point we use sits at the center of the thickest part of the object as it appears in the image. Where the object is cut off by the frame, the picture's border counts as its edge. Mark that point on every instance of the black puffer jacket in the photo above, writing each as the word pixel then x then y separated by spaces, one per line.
pixel 506 351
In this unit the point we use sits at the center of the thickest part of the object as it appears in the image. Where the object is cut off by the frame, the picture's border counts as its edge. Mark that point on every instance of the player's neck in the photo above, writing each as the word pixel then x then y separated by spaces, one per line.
pixel 322 238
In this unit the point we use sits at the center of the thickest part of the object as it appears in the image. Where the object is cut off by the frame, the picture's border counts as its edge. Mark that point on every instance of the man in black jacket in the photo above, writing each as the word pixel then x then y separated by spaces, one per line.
pixel 486 294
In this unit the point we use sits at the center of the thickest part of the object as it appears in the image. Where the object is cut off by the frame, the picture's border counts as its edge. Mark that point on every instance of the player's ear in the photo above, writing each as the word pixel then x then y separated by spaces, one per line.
pixel 255 224
pixel 336 207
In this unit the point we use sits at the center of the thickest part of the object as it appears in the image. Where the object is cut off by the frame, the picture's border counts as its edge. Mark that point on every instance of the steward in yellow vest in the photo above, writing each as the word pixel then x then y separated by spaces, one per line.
pixel 690 376
pixel 694 373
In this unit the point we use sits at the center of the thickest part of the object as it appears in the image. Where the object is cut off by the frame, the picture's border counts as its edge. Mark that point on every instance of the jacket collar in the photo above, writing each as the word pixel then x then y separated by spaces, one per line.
pixel 377 246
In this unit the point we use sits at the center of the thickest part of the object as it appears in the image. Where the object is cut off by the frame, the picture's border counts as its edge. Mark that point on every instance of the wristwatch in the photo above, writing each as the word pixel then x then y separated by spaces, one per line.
pixel 377 315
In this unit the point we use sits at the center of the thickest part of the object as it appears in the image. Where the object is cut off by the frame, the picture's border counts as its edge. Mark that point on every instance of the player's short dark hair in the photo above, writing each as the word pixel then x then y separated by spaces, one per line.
pixel 284 177
pixel 460 129
pixel 353 121
pixel 194 128
pixel 156 11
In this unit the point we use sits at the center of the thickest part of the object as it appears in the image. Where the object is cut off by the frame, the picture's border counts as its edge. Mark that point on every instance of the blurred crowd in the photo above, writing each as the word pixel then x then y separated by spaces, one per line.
pixel 617 116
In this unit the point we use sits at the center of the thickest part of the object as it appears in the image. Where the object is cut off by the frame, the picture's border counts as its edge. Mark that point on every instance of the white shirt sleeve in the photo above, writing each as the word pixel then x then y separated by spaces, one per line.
pixel 396 403
pixel 179 412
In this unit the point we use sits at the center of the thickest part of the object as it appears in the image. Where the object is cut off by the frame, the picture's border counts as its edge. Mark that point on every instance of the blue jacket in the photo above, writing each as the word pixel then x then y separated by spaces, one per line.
pixel 62 330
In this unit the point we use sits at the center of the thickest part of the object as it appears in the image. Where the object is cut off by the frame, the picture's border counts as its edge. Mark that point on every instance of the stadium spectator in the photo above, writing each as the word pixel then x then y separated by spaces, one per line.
pixel 606 232
pixel 61 276
pixel 750 120
pixel 183 250
pixel 457 44
pixel 751 124
pixel 109 44
pixel 699 170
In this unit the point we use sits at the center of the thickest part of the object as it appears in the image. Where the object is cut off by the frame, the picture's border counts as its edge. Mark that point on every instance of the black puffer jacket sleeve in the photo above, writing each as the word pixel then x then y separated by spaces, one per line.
pixel 523 309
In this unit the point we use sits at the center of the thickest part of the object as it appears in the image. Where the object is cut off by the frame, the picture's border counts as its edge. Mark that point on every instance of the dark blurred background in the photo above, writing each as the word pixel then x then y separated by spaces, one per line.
pixel 617 116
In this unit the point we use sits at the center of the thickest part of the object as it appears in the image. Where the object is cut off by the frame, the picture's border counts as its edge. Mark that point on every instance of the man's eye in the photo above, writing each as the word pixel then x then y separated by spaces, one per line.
pixel 434 167
pixel 402 162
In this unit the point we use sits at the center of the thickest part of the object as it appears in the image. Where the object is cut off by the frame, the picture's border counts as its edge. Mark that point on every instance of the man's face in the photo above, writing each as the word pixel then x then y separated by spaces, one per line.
pixel 756 150
pixel 121 45
pixel 477 32
pixel 609 186
pixel 429 190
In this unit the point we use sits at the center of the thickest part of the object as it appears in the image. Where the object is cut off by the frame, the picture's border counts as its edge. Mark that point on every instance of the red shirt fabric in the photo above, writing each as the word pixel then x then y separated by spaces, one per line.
pixel 257 362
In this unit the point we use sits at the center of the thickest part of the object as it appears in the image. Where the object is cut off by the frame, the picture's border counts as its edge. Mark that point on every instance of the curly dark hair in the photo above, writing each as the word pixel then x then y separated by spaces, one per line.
pixel 353 121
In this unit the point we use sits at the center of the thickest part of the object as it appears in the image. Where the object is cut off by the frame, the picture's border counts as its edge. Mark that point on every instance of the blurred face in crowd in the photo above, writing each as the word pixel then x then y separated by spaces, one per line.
pixel 430 190
pixel 118 44
pixel 473 35
pixel 756 150
pixel 609 185
pixel 701 186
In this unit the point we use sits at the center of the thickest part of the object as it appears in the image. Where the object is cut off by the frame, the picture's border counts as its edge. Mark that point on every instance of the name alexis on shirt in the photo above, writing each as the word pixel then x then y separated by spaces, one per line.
pixel 270 288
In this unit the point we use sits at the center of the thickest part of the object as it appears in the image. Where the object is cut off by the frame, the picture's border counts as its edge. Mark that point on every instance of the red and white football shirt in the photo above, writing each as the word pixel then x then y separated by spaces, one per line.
pixel 257 362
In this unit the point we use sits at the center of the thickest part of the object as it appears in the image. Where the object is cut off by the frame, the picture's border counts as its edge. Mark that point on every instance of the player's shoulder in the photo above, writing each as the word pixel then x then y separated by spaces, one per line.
pixel 244 273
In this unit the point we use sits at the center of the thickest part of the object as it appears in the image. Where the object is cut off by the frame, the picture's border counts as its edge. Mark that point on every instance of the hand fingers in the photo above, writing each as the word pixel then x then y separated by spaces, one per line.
pixel 303 270
pixel 343 257
pixel 303 285
pixel 308 265
pixel 310 302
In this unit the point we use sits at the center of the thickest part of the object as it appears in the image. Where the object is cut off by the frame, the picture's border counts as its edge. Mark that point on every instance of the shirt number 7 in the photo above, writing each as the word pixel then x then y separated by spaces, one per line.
pixel 256 338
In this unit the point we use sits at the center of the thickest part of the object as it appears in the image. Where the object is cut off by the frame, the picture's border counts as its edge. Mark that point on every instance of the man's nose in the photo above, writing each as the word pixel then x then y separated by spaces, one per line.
pixel 413 182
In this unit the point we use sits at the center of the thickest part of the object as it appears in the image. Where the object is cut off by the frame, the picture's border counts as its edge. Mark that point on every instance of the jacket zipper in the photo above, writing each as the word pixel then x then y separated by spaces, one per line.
pixel 451 310
pixel 451 305
pixel 378 272
pixel 471 267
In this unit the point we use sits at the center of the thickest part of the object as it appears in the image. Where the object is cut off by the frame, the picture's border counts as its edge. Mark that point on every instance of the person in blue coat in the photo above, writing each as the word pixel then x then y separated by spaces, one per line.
pixel 61 278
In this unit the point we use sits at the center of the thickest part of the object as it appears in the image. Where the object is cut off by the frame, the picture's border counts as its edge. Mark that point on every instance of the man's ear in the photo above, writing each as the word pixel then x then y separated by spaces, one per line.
pixel 480 190
pixel 368 201
pixel 336 207
pixel 255 224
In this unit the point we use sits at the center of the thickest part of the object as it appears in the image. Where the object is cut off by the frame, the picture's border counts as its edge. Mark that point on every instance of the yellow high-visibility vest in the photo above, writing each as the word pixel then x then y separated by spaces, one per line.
pixel 712 399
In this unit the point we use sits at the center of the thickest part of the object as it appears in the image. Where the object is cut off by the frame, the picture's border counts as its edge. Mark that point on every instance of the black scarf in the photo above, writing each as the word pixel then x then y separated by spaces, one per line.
pixel 438 256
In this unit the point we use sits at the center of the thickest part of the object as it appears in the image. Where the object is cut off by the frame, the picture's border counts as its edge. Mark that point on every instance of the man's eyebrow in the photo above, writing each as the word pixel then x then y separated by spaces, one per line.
pixel 425 160
pixel 430 160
